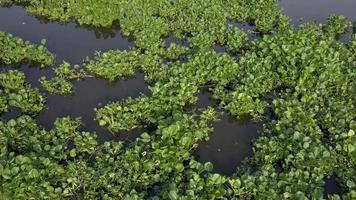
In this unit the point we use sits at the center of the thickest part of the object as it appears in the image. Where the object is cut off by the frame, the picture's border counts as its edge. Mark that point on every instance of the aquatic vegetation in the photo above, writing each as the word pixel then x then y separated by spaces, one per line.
pixel 17 93
pixel 61 84
pixel 174 51
pixel 149 21
pixel 235 39
pixel 14 50
pixel 301 79
pixel 113 65
pixel 31 168
pixel 313 74
pixel 176 87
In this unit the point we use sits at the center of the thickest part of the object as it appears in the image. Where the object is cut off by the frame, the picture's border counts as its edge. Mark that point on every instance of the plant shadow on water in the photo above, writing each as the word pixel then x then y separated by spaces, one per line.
pixel 12 114
pixel 172 39
pixel 248 28
pixel 68 41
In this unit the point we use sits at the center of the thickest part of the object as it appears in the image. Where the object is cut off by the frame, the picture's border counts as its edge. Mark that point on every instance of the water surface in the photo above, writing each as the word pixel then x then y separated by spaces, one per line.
pixel 317 10
pixel 89 94
pixel 229 144
pixel 72 43
pixel 68 41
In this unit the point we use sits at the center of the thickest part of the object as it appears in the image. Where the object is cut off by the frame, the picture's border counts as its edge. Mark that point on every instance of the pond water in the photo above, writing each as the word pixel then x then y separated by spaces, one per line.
pixel 230 143
pixel 68 41
pixel 317 10
pixel 90 94
pixel 72 43
pixel 331 186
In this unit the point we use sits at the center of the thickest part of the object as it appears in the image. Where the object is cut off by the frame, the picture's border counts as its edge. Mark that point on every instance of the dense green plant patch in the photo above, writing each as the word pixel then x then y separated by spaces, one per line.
pixel 301 79
pixel 149 21
pixel 14 50
pixel 313 133
pixel 16 93
pixel 61 84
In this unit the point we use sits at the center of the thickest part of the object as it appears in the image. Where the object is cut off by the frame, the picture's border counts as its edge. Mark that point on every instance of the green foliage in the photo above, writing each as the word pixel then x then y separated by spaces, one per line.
pixel 174 51
pixel 57 85
pixel 150 21
pixel 337 25
pixel 61 84
pixel 113 65
pixel 235 39
pixel 3 102
pixel 176 87
pixel 16 51
pixel 30 159
pixel 303 76
pixel 17 93
pixel 311 73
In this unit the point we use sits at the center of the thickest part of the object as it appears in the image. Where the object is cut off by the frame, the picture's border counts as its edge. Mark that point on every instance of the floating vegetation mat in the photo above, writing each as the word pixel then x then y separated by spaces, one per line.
pixel 294 87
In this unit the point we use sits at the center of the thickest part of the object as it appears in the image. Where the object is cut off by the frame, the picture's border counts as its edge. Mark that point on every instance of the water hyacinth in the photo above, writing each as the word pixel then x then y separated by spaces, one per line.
pixel 298 80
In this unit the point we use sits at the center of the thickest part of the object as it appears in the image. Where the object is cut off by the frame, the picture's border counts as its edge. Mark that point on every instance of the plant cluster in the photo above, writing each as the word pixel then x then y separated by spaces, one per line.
pixel 149 21
pixel 61 84
pixel 311 135
pixel 14 50
pixel 15 92
pixel 114 64
pixel 302 79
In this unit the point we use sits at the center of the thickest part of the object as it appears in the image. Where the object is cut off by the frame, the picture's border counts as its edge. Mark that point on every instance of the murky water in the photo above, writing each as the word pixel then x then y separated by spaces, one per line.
pixel 68 41
pixel 332 187
pixel 72 43
pixel 230 144
pixel 317 10
pixel 89 94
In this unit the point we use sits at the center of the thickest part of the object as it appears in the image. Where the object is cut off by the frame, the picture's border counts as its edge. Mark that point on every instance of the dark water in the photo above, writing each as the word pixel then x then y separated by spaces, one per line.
pixel 231 141
pixel 331 186
pixel 72 43
pixel 317 10
pixel 171 39
pixel 230 144
pixel 90 94
pixel 68 41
